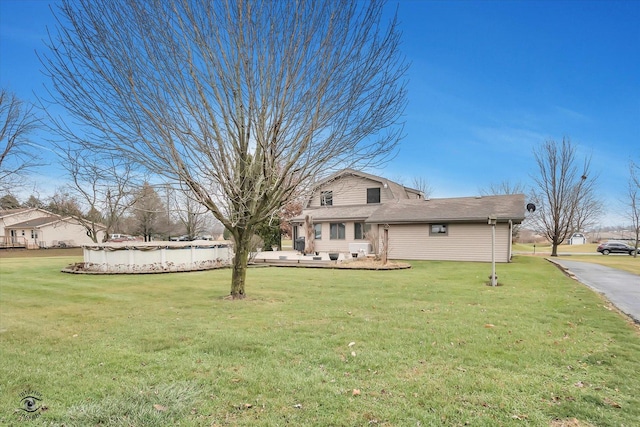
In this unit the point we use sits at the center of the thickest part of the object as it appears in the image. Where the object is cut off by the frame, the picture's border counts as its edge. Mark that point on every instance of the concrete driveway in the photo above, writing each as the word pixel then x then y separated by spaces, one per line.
pixel 620 287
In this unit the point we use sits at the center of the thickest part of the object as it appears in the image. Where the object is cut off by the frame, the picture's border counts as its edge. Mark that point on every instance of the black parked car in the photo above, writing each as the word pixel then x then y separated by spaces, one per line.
pixel 615 248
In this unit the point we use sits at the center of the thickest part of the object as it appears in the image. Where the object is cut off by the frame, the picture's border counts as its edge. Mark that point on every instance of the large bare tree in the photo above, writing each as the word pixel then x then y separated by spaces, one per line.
pixel 103 185
pixel 242 101
pixel 189 214
pixel 150 215
pixel 562 187
pixel 17 156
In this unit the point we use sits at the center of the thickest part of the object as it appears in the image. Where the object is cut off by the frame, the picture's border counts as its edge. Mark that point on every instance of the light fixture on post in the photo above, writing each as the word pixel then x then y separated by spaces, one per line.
pixel 492 222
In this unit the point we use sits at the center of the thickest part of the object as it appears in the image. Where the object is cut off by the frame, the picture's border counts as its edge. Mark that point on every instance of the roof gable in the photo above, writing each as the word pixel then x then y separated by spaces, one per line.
pixel 398 190
pixel 17 211
pixel 11 212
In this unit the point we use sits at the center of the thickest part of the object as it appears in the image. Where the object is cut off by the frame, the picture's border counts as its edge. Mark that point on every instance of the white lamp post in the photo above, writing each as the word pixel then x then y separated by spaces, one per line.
pixel 492 221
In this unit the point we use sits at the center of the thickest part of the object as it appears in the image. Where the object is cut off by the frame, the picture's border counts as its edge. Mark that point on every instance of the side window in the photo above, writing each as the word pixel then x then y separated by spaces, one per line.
pixel 317 228
pixel 337 231
pixel 373 195
pixel 438 230
pixel 326 198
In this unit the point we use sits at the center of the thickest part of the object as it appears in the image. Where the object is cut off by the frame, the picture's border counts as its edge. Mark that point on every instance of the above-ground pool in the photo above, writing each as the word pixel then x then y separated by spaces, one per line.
pixel 153 257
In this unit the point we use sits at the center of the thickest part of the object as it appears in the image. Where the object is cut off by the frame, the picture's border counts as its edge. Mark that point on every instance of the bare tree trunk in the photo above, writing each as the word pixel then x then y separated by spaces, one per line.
pixel 240 261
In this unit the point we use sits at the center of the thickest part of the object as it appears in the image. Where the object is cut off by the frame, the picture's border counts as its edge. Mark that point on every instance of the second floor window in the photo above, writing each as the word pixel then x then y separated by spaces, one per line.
pixel 326 198
pixel 337 231
pixel 373 195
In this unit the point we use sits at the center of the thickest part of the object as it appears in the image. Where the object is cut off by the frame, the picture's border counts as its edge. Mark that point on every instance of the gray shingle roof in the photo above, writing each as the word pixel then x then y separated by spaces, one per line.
pixel 461 209
pixel 36 222
pixel 338 213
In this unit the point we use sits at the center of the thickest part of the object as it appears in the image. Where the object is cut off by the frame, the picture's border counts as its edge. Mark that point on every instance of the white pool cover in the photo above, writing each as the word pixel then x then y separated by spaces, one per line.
pixel 155 257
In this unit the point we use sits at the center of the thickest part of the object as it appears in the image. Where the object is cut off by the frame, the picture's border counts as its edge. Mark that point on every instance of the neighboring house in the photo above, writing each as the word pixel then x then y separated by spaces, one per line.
pixel 38 228
pixel 351 208
pixel 577 239
pixel 14 216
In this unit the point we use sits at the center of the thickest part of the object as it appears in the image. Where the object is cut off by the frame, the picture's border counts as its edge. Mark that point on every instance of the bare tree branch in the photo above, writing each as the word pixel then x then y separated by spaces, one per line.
pixel 504 187
pixel 17 155
pixel 102 185
pixel 422 184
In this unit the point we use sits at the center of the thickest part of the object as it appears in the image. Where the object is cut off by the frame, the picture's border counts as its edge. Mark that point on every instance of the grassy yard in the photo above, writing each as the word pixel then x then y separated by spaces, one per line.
pixel 432 345
pixel 585 253
pixel 622 262
pixel 545 248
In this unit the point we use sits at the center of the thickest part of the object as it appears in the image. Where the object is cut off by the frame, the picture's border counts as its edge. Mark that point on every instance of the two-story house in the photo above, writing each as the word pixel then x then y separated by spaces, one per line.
pixel 352 210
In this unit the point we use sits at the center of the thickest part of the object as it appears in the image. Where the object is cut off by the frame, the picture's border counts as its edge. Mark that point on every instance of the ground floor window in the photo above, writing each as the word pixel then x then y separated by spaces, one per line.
pixel 34 234
pixel 360 230
pixel 337 231
pixel 438 230
pixel 317 229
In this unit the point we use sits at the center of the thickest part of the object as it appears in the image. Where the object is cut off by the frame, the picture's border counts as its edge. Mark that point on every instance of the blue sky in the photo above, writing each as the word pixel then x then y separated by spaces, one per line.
pixel 489 81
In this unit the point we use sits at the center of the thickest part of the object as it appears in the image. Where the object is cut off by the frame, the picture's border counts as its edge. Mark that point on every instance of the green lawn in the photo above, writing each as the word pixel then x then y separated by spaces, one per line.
pixel 619 261
pixel 545 248
pixel 432 345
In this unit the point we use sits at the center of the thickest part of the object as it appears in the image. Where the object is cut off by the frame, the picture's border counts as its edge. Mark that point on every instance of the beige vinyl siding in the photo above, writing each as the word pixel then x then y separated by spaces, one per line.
pixel 327 245
pixel 463 242
pixel 70 232
pixel 350 190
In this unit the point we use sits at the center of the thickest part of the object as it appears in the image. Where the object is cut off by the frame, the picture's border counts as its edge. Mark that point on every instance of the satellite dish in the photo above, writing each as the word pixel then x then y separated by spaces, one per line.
pixel 531 207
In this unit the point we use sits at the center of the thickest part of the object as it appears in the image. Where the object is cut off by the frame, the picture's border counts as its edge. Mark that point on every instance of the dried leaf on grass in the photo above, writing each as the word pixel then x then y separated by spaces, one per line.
pixel 612 403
